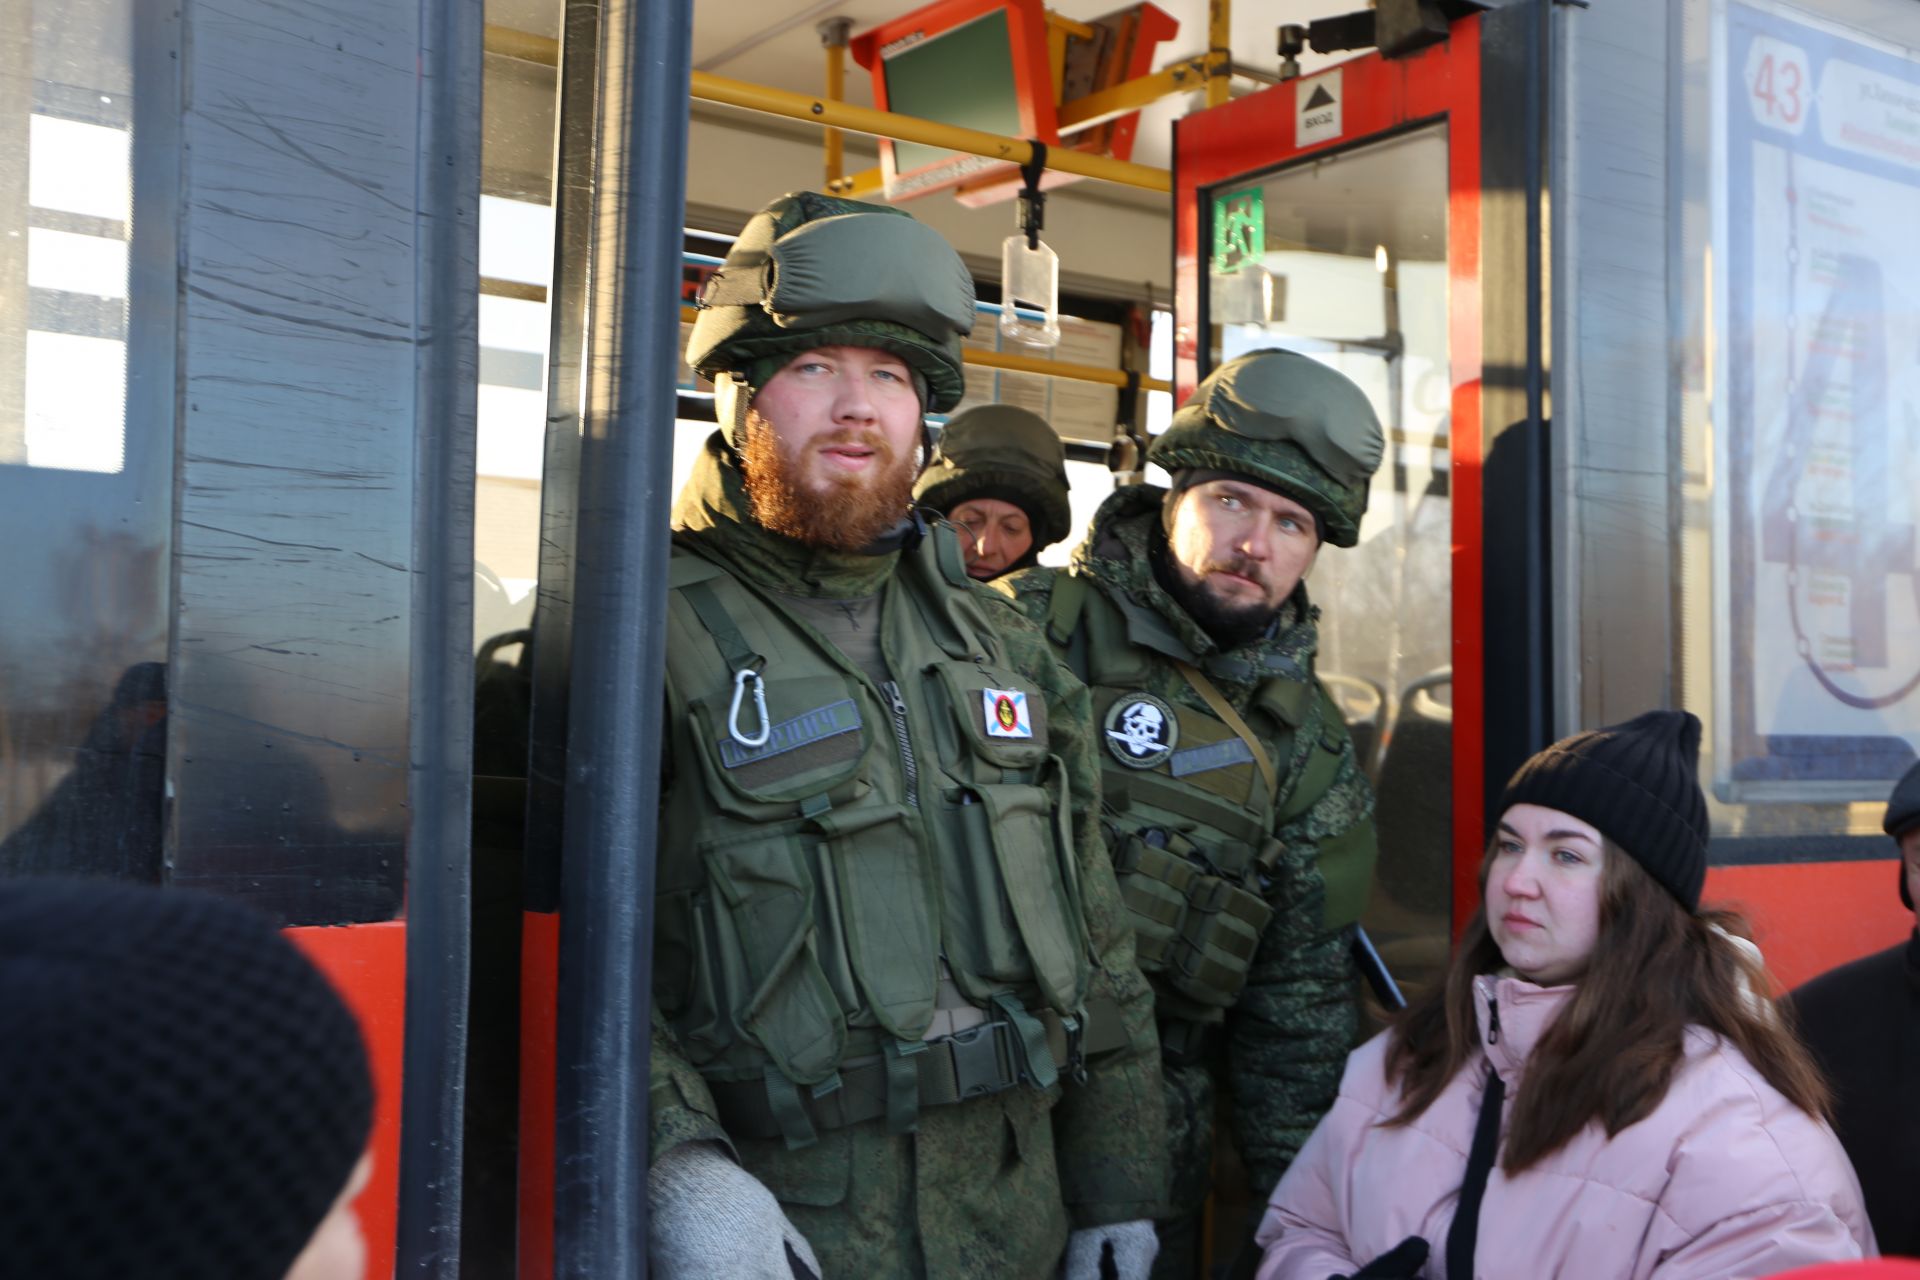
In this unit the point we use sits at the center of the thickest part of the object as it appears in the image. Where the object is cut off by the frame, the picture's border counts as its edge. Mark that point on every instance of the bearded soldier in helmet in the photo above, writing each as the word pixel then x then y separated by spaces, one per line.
pixel 1000 474
pixel 899 1030
pixel 1240 824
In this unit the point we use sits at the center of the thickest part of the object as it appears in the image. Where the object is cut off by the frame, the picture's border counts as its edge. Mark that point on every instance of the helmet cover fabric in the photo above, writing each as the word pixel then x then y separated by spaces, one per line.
pixel 1004 451
pixel 1288 422
pixel 812 271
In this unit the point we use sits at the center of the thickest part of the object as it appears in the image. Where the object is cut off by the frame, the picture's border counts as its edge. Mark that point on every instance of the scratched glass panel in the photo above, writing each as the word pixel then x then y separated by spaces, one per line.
pixel 85 502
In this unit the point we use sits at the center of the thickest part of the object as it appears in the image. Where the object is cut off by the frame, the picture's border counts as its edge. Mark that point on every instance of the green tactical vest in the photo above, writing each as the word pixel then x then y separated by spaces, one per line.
pixel 821 855
pixel 1190 819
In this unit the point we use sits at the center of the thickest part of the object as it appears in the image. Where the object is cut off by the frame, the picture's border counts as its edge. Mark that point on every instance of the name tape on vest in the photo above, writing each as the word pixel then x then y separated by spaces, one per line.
pixel 1215 755
pixel 812 726
pixel 1006 713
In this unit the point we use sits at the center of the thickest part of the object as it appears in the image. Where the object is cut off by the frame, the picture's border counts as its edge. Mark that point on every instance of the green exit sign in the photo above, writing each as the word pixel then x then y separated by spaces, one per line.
pixel 1239 230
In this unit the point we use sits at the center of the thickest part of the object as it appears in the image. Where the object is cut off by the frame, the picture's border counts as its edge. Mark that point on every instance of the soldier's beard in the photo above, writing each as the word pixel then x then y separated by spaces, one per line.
pixel 843 513
pixel 1230 625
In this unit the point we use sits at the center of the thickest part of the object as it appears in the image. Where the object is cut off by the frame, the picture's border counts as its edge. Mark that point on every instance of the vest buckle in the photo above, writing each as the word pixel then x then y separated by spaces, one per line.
pixel 982 1064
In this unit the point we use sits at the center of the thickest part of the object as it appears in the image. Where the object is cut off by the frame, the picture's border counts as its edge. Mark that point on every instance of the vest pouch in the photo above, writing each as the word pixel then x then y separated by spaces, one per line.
pixel 1154 885
pixel 819 728
pixel 1209 960
pixel 764 949
pixel 884 910
pixel 1002 717
pixel 1024 828
pixel 683 948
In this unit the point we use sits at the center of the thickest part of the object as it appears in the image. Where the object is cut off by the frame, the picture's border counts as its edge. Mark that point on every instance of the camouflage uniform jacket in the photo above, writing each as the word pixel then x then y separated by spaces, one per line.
pixel 987 1187
pixel 1288 1035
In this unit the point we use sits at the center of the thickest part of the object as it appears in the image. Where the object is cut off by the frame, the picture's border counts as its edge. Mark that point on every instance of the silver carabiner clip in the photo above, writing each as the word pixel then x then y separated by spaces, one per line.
pixel 740 679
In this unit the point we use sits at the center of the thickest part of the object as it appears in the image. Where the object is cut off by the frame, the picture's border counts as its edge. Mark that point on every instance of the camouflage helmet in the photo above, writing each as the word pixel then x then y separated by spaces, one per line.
pixel 1288 422
pixel 814 271
pixel 1001 451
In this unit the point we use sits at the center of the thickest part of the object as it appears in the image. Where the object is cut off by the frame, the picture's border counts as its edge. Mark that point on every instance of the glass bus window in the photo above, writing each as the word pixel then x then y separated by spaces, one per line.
pixel 1798 565
pixel 67 409
pixel 1344 259
pixel 85 502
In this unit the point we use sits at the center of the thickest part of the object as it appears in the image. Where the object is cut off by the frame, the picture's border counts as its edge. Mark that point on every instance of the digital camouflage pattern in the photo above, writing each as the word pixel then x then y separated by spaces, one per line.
pixel 990 1187
pixel 1288 1036
pixel 1291 423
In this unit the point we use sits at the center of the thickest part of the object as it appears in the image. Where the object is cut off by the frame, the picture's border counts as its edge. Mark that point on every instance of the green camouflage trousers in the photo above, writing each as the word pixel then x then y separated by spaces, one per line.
pixel 1189 1092
pixel 974 1195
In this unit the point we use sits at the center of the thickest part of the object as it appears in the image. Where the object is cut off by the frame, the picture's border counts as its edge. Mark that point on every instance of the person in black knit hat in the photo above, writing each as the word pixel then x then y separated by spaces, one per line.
pixel 182 1094
pixel 1595 1089
pixel 1862 1021
pixel 1636 784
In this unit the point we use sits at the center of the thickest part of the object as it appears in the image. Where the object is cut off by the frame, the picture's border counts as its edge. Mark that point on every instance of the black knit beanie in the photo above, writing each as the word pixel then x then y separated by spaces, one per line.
pixel 1638 785
pixel 1903 815
pixel 182 1094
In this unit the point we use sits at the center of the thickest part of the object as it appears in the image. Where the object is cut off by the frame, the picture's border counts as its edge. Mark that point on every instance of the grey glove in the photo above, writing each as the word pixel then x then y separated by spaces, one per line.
pixel 1117 1251
pixel 709 1217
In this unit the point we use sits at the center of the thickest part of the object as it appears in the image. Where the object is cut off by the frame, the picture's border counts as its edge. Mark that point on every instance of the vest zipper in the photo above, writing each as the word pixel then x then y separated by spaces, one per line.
pixel 912 770
pixel 1493 1020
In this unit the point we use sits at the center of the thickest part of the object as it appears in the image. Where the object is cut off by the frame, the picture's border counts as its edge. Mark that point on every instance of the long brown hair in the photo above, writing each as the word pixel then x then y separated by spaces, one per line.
pixel 1615 1046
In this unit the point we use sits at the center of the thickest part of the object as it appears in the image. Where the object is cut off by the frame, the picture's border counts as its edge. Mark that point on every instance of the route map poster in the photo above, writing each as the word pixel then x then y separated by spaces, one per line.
pixel 1822 443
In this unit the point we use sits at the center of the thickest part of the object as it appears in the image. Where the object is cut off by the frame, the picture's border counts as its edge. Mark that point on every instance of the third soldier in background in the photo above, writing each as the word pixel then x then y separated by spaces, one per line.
pixel 1239 821
pixel 1000 474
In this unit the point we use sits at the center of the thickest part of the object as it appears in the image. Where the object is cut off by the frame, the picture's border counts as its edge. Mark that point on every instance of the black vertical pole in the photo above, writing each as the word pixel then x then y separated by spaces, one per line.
pixel 1516 523
pixel 440 792
pixel 613 753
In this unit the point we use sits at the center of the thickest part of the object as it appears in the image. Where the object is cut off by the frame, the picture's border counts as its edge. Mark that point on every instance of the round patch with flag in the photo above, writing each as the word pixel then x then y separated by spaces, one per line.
pixel 1141 730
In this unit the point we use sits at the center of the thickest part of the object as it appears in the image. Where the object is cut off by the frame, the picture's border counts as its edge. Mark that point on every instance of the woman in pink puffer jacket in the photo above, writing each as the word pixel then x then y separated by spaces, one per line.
pixel 1599 1089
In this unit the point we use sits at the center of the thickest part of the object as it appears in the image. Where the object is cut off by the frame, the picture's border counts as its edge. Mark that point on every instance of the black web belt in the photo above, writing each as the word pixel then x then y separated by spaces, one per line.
pixel 975 1063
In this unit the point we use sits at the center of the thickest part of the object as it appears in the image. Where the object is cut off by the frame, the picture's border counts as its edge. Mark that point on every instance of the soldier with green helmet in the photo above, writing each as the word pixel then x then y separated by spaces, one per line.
pixel 1239 822
pixel 1000 475
pixel 898 1026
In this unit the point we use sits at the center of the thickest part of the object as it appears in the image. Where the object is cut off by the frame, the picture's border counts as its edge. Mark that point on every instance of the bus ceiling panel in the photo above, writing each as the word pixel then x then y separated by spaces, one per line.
pixel 769 45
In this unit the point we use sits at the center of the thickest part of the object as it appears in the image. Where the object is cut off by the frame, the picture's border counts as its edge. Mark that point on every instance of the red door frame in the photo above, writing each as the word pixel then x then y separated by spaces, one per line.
pixel 1254 136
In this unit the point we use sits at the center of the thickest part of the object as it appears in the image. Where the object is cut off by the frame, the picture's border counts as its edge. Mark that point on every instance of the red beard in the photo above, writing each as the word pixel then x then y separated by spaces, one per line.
pixel 845 513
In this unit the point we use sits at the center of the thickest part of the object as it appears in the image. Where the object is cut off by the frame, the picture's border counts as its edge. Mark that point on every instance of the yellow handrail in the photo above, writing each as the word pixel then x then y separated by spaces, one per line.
pixel 886 124
pixel 1029 364
pixel 1219 40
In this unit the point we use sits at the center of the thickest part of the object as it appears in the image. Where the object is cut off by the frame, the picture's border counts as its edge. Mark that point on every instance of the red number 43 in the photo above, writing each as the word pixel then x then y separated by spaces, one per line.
pixel 1780 85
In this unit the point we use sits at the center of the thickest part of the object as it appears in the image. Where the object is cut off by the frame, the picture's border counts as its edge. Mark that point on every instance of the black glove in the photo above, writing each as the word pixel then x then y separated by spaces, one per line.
pixel 1402 1262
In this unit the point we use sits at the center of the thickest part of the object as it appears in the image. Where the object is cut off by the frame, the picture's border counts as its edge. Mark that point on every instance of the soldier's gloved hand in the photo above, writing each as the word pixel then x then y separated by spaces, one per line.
pixel 1117 1251
pixel 1402 1262
pixel 709 1217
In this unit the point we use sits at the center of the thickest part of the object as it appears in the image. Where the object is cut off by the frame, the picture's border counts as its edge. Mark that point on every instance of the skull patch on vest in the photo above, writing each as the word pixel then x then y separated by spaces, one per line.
pixel 1141 730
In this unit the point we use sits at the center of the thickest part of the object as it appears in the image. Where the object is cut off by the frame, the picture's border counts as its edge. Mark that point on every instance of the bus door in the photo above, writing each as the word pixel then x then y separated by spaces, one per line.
pixel 1348 215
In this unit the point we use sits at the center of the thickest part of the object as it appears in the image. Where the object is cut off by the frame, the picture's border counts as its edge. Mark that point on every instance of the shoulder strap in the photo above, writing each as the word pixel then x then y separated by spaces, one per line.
pixel 1063 610
pixel 719 623
pixel 1224 709
pixel 935 578
pixel 1322 764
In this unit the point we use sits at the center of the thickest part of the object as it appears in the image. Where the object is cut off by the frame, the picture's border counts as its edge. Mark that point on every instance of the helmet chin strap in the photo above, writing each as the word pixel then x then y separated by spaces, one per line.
pixel 732 398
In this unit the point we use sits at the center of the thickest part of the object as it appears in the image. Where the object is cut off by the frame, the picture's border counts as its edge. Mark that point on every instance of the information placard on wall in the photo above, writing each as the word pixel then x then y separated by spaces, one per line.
pixel 1818 636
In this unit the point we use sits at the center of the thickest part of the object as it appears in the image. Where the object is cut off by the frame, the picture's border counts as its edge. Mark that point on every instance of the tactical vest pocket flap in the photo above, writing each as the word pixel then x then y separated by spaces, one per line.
pixel 813 737
pixel 1002 715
